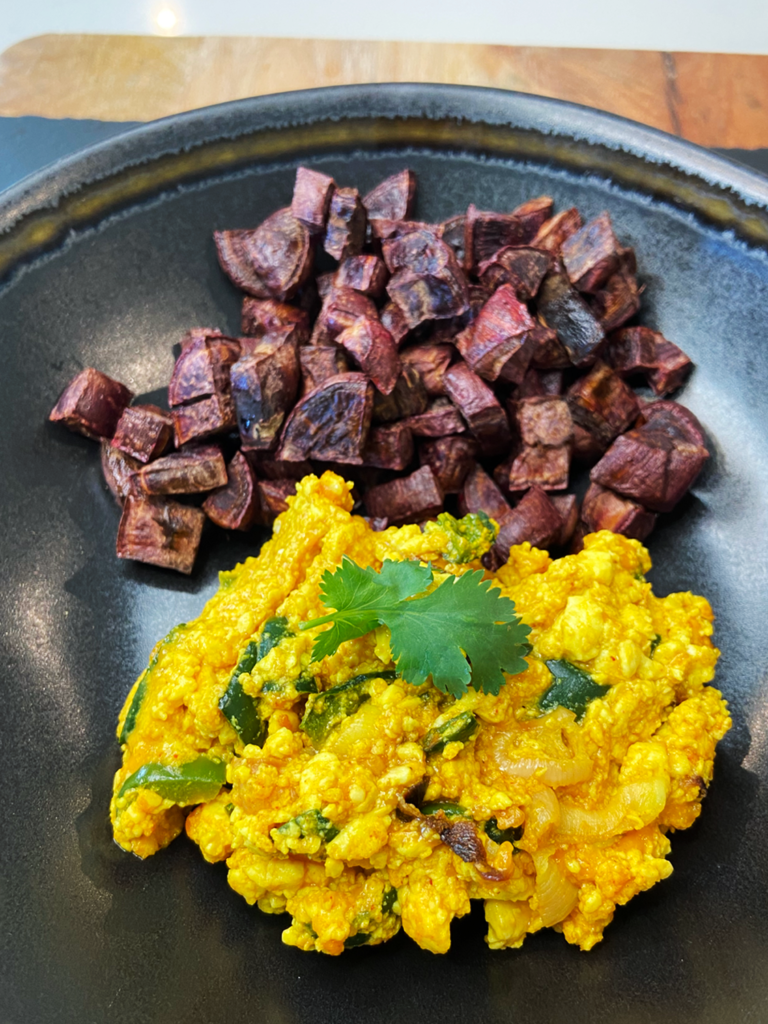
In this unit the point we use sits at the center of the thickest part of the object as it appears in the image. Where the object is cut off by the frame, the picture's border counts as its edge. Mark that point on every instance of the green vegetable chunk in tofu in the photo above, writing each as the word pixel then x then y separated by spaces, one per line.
pixel 327 709
pixel 573 688
pixel 455 730
pixel 239 708
pixel 188 783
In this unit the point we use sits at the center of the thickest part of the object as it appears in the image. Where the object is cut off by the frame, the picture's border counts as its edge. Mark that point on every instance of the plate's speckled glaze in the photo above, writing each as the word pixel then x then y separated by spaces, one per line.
pixel 108 258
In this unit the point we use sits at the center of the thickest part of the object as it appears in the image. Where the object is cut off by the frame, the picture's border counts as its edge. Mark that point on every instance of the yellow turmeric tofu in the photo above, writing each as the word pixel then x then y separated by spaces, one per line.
pixel 358 802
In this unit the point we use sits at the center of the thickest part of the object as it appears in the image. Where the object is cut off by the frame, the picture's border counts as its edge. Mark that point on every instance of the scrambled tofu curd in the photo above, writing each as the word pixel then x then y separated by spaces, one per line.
pixel 357 803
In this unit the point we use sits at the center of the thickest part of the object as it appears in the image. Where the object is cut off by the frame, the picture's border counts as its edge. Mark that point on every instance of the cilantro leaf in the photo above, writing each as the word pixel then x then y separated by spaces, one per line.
pixel 463 618
pixel 462 632
pixel 360 596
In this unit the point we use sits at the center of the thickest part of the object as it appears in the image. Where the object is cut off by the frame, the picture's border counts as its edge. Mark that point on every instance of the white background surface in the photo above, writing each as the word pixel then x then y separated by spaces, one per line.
pixel 734 26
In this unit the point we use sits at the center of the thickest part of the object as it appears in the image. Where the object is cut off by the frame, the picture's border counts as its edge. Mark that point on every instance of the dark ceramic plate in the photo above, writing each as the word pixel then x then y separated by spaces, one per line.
pixel 107 259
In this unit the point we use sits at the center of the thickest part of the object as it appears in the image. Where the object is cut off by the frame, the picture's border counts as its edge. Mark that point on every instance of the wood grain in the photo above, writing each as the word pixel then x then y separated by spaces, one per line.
pixel 711 99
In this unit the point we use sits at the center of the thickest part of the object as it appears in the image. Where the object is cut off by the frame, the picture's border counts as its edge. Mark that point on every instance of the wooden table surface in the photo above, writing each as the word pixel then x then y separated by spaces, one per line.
pixel 711 99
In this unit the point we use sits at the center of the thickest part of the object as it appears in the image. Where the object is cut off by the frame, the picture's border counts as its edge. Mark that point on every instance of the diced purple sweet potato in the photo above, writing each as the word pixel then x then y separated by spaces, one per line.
pixel 392 199
pixel 262 316
pixel 547 351
pixel 311 197
pixel 602 509
pixel 591 254
pixel 192 471
pixel 409 398
pixel 533 213
pixel 450 459
pixel 318 363
pixel 563 309
pixel 389 446
pixel 656 463
pixel 346 224
pixel 602 403
pixel 91 404
pixel 273 498
pixel 202 368
pixel 522 266
pixel 619 298
pixel 144 432
pixel 431 361
pixel 568 507
pixel 431 285
pixel 377 525
pixel 264 388
pixel 496 344
pixel 480 408
pixel 537 384
pixel 485 232
pixel 271 261
pixel 386 229
pixel 204 418
pixel 532 465
pixel 160 532
pixel 235 506
pixel 366 274
pixel 673 419
pixel 409 499
pixel 534 519
pixel 372 347
pixel 587 447
pixel 641 350
pixel 451 232
pixel 440 419
pixel 480 494
pixel 544 420
pixel 340 310
pixel 119 470
pixel 394 320
pixel 556 230
pixel 331 423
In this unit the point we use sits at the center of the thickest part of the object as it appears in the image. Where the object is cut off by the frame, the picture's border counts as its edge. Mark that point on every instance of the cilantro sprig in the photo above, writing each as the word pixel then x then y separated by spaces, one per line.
pixel 463 631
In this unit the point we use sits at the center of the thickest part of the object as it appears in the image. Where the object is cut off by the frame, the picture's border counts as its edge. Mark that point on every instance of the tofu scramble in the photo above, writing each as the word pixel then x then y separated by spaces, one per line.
pixel 366 803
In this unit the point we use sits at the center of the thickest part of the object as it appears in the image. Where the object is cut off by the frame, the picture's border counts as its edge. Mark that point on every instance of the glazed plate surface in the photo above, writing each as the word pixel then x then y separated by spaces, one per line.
pixel 106 260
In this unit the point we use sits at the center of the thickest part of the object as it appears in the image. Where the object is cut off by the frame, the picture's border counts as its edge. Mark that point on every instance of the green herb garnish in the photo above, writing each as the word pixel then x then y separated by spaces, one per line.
pixel 462 631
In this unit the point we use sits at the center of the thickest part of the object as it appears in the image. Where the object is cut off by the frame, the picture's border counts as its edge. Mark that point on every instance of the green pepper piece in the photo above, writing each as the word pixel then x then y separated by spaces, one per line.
pixel 455 730
pixel 190 783
pixel 306 684
pixel 309 823
pixel 141 689
pixel 239 708
pixel 654 644
pixel 359 939
pixel 468 538
pixel 502 835
pixel 573 688
pixel 334 705
pixel 388 900
pixel 450 810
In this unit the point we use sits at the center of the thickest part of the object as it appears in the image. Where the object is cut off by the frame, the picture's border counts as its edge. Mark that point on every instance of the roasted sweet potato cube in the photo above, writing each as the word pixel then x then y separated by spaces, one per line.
pixel 602 509
pixel 619 298
pixel 378 524
pixel 431 361
pixel 235 506
pixel 480 494
pixel 496 344
pixel 450 459
pixel 641 350
pixel 587 447
pixel 440 419
pixel 119 471
pixel 544 420
pixel 485 232
pixel 535 465
pixel 556 230
pixel 408 499
pixel 143 431
pixel 533 213
pixel 563 309
pixel 521 266
pixel 568 507
pixel 266 467
pixel 345 228
pixel 394 320
pixel 91 404
pixel 409 398
pixel 160 532
pixel 366 274
pixel 372 347
pixel 192 471
pixel 261 316
pixel 451 232
pixel 547 351
pixel 602 403
pixel 428 296
pixel 273 498
pixel 480 408
pixel 204 418
pixel 391 200
pixel 270 261
pixel 591 254
pixel 340 310
pixel 331 423
pixel 268 344
pixel 534 519
pixel 673 419
pixel 418 250
pixel 264 388
pixel 386 229
pixel 389 446
pixel 203 366
pixel 318 363
pixel 311 198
